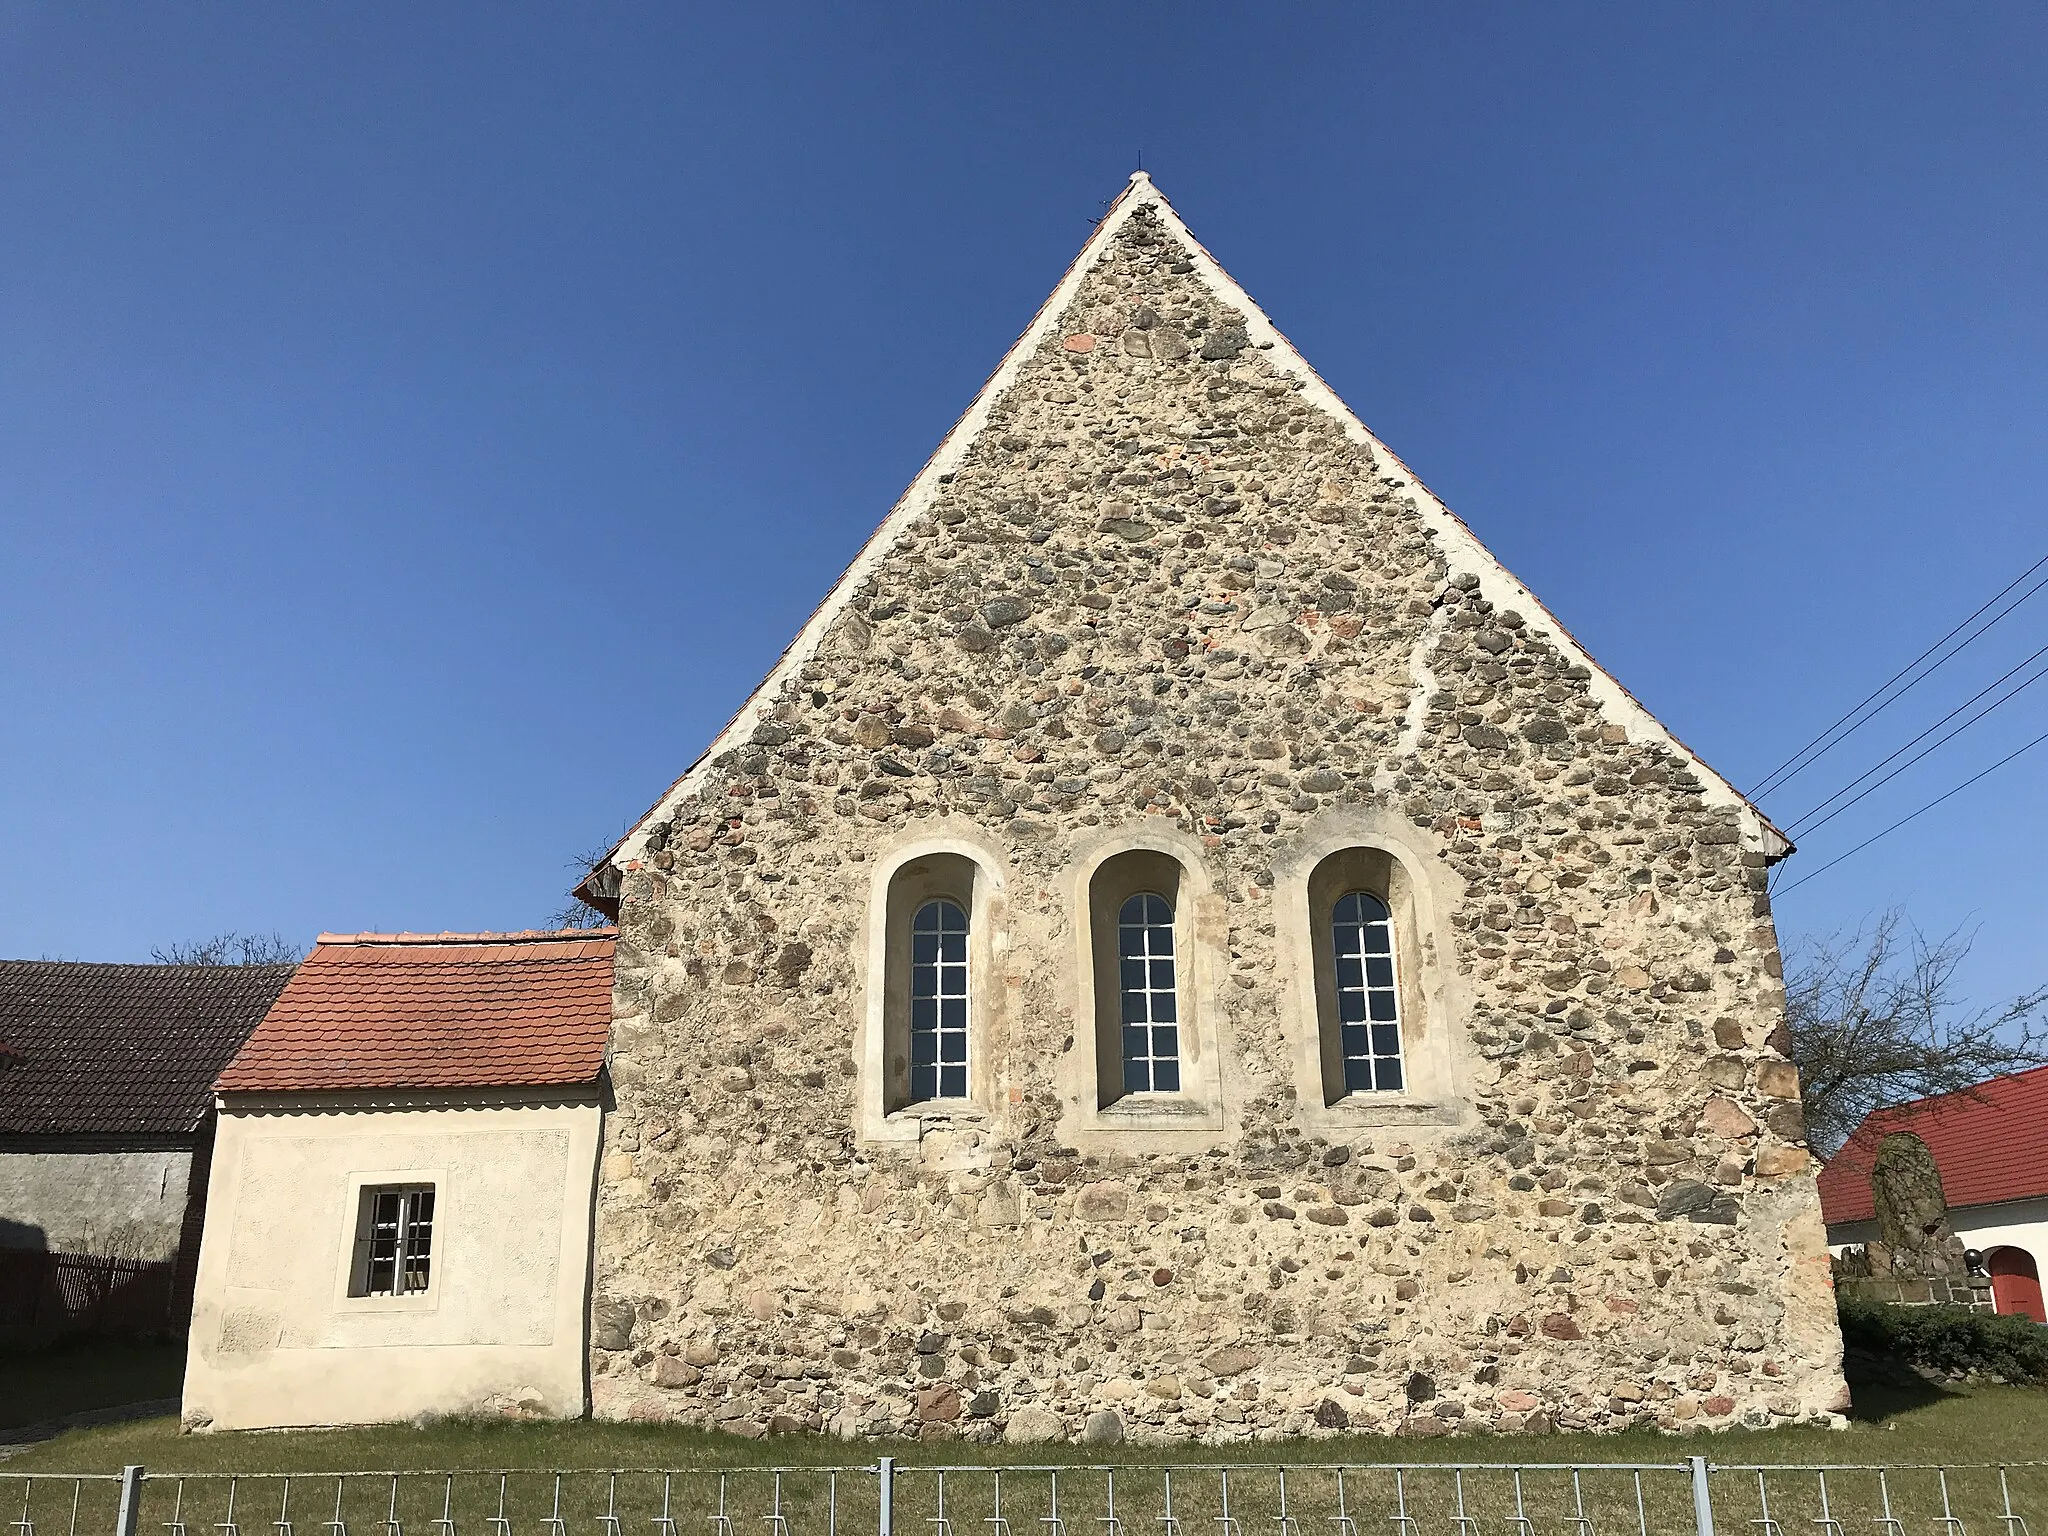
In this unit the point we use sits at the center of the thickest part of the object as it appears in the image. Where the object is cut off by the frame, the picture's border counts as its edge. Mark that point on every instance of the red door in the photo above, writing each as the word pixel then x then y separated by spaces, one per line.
pixel 2016 1284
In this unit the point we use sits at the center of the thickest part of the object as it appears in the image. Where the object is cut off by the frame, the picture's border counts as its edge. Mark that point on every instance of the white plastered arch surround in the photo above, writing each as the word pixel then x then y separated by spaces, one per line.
pixel 987 941
pixel 1440 1064
pixel 1195 1119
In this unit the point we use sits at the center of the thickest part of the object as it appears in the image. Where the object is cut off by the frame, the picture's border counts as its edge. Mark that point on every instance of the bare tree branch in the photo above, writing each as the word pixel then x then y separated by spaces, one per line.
pixel 232 949
pixel 1875 1020
pixel 576 913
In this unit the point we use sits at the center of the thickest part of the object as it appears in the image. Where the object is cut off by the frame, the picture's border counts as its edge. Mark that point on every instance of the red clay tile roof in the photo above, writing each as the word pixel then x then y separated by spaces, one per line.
pixel 1991 1145
pixel 436 1010
pixel 112 1050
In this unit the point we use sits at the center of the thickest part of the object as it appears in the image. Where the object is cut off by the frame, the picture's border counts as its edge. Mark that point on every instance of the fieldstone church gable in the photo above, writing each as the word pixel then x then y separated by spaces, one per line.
pixel 1183 946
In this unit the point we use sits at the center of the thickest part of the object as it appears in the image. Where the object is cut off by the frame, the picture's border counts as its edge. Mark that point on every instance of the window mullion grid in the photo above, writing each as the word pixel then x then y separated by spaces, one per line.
pixel 939 1002
pixel 1368 1007
pixel 1150 1009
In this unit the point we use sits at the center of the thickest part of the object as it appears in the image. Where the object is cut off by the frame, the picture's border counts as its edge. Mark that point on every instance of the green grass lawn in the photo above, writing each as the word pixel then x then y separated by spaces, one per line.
pixel 1894 1426
pixel 84 1374
pixel 1891 1423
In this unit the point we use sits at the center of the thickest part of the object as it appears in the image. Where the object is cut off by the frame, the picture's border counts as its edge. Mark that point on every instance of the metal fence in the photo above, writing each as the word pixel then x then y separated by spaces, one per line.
pixel 1683 1498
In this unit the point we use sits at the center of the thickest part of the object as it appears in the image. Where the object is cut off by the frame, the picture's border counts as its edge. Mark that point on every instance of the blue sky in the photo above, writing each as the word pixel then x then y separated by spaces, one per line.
pixel 421 426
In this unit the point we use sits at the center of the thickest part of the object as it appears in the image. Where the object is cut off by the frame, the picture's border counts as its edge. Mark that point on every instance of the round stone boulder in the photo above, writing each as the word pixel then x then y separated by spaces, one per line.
pixel 1032 1424
pixel 1103 1428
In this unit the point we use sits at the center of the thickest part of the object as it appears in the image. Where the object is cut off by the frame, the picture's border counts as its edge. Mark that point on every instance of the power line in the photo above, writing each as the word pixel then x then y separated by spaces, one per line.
pixel 1930 805
pixel 1849 724
pixel 1780 775
pixel 1805 821
pixel 1831 815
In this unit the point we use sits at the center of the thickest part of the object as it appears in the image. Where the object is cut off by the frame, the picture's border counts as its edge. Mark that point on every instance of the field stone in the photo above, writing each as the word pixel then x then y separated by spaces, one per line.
pixel 1231 1362
pixel 1103 1427
pixel 1033 1425
pixel 1683 1198
pixel 1151 600
pixel 611 1324
pixel 671 1372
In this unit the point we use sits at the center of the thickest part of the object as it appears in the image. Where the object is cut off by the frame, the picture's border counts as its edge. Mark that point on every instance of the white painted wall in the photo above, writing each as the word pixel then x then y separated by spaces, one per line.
pixel 277 1340
pixel 2015 1224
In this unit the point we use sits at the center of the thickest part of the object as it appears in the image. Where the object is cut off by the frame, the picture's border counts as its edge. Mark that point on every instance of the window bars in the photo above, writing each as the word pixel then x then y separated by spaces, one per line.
pixel 396 1242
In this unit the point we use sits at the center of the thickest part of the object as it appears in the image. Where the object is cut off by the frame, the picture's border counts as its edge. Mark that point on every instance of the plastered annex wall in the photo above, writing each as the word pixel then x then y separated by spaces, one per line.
pixel 276 1338
pixel 1161 593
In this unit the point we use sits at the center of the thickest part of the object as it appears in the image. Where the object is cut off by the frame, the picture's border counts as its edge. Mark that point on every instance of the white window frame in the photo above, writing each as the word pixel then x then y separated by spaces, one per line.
pixel 952 982
pixel 352 1252
pixel 1148 929
pixel 1366 990
pixel 405 1254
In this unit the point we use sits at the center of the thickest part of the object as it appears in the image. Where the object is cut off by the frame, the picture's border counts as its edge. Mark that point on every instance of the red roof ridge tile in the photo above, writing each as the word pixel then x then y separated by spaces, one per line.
pixel 517 936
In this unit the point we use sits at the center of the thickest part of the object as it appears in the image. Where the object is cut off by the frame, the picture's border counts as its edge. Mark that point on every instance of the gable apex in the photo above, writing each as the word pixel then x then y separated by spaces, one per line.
pixel 1462 551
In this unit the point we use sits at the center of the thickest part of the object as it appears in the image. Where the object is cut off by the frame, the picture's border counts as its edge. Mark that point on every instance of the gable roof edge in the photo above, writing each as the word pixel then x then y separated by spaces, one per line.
pixel 914 500
pixel 1462 549
pixel 1457 540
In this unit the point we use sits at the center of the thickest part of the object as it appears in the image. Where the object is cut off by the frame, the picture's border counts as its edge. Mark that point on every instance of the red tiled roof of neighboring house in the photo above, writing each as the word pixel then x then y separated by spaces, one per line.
pixel 436 1010
pixel 121 1050
pixel 1990 1143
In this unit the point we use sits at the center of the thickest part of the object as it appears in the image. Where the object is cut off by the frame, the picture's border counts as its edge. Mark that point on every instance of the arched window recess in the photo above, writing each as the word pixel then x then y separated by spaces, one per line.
pixel 928 1020
pixel 1153 945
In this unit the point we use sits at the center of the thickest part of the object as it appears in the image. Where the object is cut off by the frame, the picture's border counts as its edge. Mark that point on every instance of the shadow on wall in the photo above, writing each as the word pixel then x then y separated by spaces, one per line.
pixel 79 1381
pixel 45 1295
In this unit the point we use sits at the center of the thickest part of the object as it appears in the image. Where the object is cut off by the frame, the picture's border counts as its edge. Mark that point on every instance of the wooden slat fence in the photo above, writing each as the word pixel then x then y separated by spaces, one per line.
pixel 50 1293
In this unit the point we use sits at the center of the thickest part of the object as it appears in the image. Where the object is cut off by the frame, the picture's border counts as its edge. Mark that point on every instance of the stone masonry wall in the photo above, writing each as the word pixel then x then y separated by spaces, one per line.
pixel 1163 588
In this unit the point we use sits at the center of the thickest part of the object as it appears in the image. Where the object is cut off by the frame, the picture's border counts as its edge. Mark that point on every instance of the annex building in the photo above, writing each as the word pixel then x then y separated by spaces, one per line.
pixel 1182 947
pixel 106 1136
pixel 399 1217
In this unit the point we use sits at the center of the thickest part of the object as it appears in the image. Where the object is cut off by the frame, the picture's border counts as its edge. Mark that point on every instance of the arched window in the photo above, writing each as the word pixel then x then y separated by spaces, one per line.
pixel 1368 1000
pixel 1150 997
pixel 928 1020
pixel 1145 969
pixel 938 1001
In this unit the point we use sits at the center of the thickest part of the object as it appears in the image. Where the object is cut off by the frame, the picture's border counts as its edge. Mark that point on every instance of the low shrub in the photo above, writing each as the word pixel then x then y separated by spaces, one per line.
pixel 1952 1339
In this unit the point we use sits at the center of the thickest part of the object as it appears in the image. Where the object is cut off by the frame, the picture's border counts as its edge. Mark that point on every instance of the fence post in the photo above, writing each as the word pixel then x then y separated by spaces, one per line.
pixel 1702 1498
pixel 131 1502
pixel 885 1477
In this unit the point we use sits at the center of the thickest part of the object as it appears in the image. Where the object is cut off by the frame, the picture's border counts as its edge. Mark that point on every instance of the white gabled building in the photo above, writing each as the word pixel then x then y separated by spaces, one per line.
pixel 1991 1145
